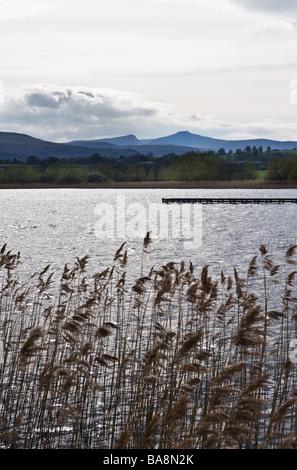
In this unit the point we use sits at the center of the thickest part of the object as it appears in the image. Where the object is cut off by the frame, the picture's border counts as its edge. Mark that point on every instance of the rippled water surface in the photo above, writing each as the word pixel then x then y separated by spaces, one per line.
pixel 57 225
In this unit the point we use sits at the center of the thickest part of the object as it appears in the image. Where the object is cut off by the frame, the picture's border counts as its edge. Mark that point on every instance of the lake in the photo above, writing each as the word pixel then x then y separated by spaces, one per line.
pixel 54 226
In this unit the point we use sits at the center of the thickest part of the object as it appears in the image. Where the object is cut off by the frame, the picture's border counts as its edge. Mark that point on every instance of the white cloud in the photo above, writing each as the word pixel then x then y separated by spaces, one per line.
pixel 270 5
pixel 227 58
pixel 65 113
pixel 53 112
pixel 18 9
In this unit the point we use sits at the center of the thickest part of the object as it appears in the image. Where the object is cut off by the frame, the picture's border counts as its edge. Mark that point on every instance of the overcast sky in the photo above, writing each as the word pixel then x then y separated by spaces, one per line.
pixel 74 69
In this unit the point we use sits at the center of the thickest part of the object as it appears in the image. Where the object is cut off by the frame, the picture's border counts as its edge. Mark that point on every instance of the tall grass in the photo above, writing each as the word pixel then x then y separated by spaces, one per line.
pixel 177 360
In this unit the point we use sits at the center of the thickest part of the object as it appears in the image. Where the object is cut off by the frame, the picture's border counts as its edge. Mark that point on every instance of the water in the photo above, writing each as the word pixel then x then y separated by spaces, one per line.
pixel 54 226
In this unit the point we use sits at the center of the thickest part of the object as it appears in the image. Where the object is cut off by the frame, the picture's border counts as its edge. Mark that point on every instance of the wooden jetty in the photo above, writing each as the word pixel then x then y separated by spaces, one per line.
pixel 231 200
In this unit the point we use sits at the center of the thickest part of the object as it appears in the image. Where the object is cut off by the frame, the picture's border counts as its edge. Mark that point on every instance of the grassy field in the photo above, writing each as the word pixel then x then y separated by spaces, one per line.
pixel 261 174
pixel 176 360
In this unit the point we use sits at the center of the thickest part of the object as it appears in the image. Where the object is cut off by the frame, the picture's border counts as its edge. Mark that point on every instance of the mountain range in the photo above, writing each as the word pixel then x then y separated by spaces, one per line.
pixel 20 146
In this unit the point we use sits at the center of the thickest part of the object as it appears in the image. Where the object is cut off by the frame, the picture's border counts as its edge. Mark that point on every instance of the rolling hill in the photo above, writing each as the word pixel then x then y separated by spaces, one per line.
pixel 20 146
pixel 208 143
pixel 185 141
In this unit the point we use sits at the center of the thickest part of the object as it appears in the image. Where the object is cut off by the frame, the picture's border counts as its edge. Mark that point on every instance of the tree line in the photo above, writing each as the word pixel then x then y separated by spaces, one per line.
pixel 282 169
pixel 191 166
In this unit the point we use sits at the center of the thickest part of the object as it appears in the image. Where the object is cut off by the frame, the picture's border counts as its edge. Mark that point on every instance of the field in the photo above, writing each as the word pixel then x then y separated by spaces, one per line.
pixel 261 174
pixel 176 360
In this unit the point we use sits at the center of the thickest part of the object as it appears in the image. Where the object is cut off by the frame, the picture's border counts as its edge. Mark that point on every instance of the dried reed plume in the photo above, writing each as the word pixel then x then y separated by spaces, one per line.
pixel 173 359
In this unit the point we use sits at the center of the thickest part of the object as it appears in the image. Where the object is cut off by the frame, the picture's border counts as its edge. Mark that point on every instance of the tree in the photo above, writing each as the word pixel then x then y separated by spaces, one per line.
pixel 23 174
pixel 279 169
pixel 50 175
pixel 151 176
pixel 33 160
pixel 248 151
pixel 72 175
pixel 50 161
pixel 135 173
pixel 255 151
pixel 239 154
pixel 248 172
pixel 96 178
pixel 105 169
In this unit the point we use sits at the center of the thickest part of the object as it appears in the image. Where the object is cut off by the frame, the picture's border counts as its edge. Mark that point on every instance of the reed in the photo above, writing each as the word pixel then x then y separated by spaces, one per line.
pixel 177 359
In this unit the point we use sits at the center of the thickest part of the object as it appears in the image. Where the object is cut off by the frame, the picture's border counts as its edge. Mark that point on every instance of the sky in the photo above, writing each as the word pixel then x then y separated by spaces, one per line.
pixel 92 69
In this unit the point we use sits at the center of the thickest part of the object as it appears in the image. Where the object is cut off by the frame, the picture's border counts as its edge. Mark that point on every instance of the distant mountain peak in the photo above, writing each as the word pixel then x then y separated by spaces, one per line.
pixel 129 139
pixel 185 133
pixel 17 145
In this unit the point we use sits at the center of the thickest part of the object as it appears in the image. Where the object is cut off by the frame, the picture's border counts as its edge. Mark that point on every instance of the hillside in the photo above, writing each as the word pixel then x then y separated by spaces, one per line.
pixel 209 143
pixel 20 146
pixel 185 141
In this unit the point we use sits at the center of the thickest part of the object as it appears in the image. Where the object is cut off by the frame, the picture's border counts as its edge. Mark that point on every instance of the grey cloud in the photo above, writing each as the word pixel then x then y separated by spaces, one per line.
pixel 44 96
pixel 41 101
pixel 91 102
pixel 58 112
pixel 288 6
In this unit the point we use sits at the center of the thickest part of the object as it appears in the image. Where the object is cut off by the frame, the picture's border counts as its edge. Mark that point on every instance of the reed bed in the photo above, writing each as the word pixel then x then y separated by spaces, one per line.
pixel 176 360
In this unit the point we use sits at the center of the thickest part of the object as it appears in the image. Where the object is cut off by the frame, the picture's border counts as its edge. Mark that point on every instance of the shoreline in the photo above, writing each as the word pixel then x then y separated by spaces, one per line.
pixel 252 184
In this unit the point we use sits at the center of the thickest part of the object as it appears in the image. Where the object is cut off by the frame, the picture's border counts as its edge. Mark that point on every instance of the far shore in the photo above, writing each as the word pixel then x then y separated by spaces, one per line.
pixel 251 184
